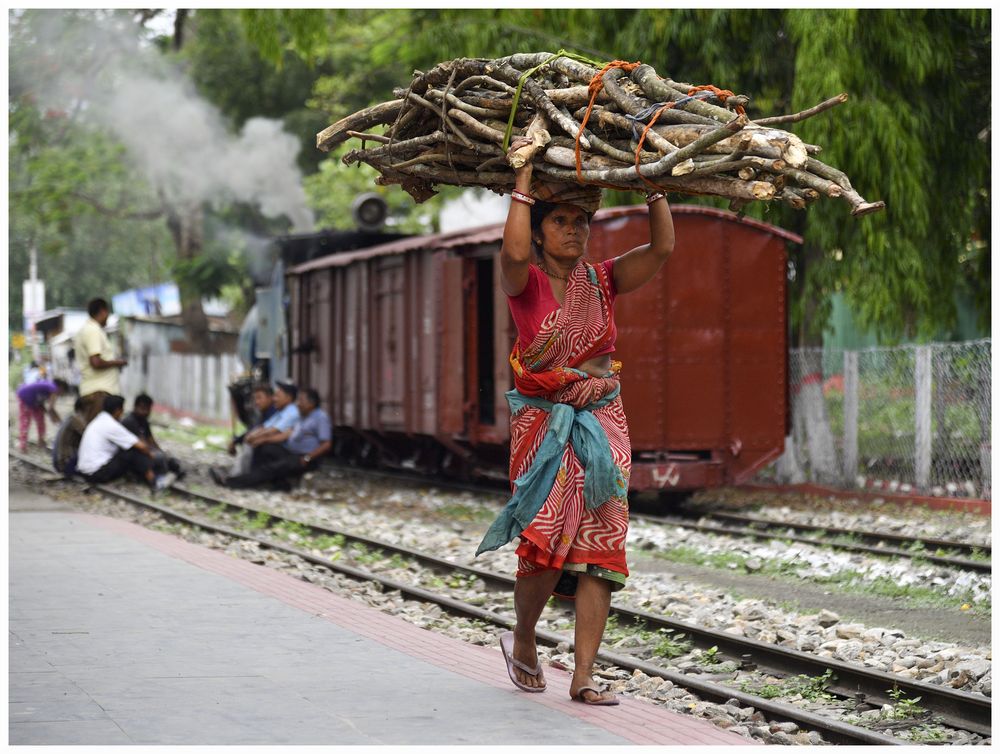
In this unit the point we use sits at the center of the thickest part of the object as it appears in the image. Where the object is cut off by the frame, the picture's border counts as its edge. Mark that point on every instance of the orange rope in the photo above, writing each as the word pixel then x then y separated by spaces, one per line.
pixel 595 86
pixel 642 139
pixel 722 94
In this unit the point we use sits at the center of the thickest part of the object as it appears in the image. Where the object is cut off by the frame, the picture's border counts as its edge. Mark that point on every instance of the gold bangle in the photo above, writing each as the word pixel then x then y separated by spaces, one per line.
pixel 650 198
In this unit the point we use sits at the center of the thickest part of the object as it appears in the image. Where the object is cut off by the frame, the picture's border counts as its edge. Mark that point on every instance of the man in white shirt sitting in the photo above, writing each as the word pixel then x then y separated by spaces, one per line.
pixel 109 451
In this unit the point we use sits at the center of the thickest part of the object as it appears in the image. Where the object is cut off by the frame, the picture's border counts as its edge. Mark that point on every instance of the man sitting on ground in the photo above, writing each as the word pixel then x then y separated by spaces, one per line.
pixel 109 451
pixel 286 414
pixel 67 442
pixel 263 400
pixel 138 424
pixel 295 453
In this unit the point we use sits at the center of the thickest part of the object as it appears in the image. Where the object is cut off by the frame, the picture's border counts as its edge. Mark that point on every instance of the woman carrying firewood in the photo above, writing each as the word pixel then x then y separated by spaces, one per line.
pixel 570 452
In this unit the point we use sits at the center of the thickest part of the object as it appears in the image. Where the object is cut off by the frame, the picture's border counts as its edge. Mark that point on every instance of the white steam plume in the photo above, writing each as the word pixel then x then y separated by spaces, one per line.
pixel 179 140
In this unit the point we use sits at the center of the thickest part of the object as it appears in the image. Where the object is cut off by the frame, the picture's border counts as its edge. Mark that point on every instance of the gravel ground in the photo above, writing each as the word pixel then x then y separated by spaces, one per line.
pixel 870 516
pixel 451 523
pixel 746 721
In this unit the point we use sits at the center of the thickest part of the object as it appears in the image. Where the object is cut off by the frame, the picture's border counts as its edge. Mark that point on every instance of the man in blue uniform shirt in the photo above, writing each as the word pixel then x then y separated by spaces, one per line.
pixel 291 452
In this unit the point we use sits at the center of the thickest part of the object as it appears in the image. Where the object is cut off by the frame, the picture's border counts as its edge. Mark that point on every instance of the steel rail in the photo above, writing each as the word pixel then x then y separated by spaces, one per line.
pixel 955 708
pixel 983 566
pixel 862 534
pixel 750 521
pixel 833 730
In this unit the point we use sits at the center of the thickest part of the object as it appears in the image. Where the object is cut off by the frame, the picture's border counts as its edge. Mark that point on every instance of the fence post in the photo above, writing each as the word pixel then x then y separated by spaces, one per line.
pixel 850 417
pixel 922 462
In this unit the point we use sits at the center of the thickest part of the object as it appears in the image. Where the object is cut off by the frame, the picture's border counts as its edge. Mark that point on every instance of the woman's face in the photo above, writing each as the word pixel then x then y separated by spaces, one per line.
pixel 564 233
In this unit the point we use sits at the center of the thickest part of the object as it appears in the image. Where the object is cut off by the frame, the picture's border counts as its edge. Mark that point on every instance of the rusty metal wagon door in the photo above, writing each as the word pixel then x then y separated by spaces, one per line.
pixel 390 343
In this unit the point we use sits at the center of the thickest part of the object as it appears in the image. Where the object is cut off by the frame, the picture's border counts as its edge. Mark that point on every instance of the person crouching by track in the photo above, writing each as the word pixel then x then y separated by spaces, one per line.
pixel 138 424
pixel 570 451
pixel 108 451
pixel 67 442
pixel 277 463
pixel 240 446
pixel 34 400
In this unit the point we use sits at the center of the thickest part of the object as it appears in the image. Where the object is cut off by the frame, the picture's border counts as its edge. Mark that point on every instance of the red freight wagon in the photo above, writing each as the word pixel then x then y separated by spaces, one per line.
pixel 410 339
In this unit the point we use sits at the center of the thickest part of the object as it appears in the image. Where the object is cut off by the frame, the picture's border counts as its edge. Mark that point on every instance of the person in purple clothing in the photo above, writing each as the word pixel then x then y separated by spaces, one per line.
pixel 32 398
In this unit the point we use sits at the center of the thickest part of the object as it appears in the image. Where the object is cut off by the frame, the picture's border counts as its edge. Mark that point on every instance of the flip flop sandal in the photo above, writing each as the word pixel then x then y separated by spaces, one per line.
pixel 596 702
pixel 507 647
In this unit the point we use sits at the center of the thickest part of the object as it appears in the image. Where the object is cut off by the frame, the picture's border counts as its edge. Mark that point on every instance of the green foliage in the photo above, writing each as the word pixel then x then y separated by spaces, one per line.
pixel 811 688
pixel 904 708
pixel 261 521
pixel 709 657
pixel 907 135
pixel 292 530
pixel 671 645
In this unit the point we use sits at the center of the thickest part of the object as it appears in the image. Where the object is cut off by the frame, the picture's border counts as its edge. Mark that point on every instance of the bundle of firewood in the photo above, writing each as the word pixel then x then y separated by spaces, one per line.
pixel 622 126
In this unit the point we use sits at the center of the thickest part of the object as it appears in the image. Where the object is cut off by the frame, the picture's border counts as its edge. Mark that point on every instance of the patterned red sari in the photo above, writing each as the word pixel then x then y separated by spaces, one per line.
pixel 567 533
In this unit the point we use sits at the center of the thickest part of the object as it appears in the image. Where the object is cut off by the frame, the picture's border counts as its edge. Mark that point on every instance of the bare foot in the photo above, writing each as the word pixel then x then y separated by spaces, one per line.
pixel 525 652
pixel 582 681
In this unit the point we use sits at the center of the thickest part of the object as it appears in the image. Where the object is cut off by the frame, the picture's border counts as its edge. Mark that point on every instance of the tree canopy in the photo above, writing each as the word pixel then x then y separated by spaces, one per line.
pixel 915 131
pixel 908 134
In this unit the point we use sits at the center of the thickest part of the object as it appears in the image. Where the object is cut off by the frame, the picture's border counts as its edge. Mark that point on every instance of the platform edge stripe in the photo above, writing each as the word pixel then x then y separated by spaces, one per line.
pixel 310 597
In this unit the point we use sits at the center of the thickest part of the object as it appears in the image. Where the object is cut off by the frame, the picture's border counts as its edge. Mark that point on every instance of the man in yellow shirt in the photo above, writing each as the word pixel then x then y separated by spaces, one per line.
pixel 98 369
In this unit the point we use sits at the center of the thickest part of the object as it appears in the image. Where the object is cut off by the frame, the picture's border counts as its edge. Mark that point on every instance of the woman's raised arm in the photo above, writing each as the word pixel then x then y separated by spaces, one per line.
pixel 515 254
pixel 637 267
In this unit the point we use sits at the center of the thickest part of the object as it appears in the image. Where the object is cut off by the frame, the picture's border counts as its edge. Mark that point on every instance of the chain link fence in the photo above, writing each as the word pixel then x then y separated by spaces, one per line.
pixel 903 419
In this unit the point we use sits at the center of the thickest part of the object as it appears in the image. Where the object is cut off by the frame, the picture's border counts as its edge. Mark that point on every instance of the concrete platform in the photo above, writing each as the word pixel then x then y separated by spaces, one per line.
pixel 121 635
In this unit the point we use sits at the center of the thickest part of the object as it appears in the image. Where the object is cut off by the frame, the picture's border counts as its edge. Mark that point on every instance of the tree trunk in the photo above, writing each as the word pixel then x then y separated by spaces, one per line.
pixel 186 224
pixel 811 444
pixel 811 406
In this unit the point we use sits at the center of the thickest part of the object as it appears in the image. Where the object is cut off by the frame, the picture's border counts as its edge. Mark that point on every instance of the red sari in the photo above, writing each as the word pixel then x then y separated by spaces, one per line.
pixel 566 534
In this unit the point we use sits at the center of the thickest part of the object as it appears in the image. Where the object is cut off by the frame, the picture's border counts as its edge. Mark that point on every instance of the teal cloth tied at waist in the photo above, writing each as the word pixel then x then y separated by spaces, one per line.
pixel 602 478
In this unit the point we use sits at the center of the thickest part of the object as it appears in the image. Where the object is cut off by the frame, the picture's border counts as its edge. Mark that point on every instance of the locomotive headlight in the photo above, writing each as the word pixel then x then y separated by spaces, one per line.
pixel 369 211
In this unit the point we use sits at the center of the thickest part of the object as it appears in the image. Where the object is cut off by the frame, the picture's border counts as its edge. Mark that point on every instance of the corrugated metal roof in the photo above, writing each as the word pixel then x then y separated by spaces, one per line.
pixel 494 232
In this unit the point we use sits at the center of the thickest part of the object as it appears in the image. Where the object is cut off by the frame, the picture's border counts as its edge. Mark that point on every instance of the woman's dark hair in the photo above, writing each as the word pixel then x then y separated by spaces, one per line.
pixel 539 211
pixel 61 384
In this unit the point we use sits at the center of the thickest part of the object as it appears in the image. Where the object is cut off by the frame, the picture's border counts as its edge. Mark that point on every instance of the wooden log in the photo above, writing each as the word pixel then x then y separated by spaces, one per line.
pixel 539 138
pixel 795 117
pixel 806 179
pixel 538 97
pixel 665 90
pixel 707 185
pixel 336 134
pixel 654 138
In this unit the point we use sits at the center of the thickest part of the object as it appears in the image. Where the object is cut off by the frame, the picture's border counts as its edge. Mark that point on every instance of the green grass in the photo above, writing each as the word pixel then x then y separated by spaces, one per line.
pixel 671 645
pixel 288 528
pixel 261 521
pixel 191 435
pixel 812 688
pixel 904 708
pixel 470 513
pixel 327 542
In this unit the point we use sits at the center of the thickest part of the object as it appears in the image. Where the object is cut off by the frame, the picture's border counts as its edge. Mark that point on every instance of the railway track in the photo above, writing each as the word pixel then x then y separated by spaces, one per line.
pixel 956 709
pixel 762 528
pixel 944 552
pixel 754 527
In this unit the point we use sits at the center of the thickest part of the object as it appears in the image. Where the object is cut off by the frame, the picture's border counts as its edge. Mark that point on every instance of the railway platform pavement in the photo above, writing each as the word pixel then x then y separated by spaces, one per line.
pixel 123 635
